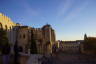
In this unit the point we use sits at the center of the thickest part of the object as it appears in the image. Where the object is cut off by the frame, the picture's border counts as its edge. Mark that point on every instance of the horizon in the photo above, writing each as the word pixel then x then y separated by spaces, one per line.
pixel 70 19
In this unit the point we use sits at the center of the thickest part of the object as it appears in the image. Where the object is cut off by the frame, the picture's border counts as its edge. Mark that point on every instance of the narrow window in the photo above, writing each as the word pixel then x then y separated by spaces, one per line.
pixel 23 35
pixel 1 26
pixel 6 27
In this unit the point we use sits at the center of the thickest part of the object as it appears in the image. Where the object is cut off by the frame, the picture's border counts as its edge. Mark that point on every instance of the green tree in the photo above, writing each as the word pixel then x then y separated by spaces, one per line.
pixel 3 38
pixel 33 47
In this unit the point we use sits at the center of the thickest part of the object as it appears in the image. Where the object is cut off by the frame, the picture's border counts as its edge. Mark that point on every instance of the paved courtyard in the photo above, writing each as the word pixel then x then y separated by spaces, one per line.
pixel 63 58
pixel 66 58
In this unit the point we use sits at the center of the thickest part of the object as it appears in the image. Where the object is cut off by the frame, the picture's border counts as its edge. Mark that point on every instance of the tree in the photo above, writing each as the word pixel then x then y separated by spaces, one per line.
pixel 3 39
pixel 33 48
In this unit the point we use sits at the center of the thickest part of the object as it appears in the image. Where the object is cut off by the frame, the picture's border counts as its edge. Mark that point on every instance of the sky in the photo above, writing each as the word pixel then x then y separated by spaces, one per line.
pixel 70 19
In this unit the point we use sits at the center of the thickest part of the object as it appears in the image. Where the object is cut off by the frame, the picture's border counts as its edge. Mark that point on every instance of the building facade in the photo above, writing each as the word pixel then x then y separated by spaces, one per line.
pixel 24 38
pixel 23 35
pixel 89 45
pixel 70 46
pixel 49 38
pixel 37 36
pixel 7 24
pixel 44 38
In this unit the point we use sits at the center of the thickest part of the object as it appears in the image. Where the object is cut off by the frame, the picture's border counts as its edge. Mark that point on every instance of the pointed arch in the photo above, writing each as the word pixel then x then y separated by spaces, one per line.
pixel 6 27
pixel 1 26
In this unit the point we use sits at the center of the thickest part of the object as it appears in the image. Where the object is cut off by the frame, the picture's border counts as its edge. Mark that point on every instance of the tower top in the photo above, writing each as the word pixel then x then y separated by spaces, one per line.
pixel 85 36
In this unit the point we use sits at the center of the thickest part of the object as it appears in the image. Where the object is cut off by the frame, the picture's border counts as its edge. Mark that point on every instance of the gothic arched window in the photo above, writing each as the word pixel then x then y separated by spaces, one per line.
pixel 6 27
pixel 1 26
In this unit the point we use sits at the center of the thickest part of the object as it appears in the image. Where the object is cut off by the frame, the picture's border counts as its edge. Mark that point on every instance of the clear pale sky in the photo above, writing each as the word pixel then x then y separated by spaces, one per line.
pixel 71 19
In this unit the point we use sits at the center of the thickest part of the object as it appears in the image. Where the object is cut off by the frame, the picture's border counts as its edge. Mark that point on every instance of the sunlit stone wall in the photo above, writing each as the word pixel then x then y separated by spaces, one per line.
pixel 7 24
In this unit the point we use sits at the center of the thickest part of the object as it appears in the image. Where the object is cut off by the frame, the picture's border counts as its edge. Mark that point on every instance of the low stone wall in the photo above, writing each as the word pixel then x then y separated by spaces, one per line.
pixel 30 58
pixel 24 58
pixel 34 59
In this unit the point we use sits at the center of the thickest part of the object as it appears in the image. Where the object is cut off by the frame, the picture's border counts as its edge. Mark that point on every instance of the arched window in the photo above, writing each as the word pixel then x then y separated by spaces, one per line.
pixel 10 27
pixel 6 27
pixel 1 26
pixel 24 36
